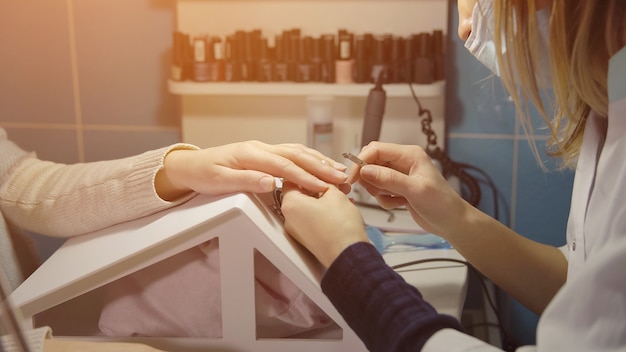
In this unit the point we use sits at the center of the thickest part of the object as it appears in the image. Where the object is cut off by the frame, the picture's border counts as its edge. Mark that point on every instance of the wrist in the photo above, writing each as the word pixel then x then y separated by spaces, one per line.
pixel 328 257
pixel 169 180
pixel 471 220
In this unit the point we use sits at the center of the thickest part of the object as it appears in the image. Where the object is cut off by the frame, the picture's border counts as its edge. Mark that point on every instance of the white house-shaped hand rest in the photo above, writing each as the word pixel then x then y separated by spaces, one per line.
pixel 242 223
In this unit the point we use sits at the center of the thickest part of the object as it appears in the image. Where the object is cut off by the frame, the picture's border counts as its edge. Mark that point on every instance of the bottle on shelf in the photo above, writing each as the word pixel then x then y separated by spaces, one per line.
pixel 178 56
pixel 266 63
pixel 423 69
pixel 361 60
pixel 438 54
pixel 344 66
pixel 303 66
pixel 315 59
pixel 232 66
pixel 216 60
pixel 200 58
pixel 281 71
pixel 329 56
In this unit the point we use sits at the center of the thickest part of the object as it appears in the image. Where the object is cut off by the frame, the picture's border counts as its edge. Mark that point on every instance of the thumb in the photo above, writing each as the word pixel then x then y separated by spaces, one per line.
pixel 386 179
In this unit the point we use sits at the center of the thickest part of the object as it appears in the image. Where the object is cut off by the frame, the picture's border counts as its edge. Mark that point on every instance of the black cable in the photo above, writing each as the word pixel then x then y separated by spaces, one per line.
pixel 469 266
pixel 449 166
pixel 507 341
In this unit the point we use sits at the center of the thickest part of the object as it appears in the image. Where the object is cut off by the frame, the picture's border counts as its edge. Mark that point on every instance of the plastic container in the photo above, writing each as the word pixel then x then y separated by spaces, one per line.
pixel 320 123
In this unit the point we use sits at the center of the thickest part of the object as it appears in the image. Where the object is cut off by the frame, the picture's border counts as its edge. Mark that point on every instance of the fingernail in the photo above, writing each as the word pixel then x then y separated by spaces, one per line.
pixel 340 174
pixel 339 166
pixel 322 184
pixel 368 172
pixel 267 183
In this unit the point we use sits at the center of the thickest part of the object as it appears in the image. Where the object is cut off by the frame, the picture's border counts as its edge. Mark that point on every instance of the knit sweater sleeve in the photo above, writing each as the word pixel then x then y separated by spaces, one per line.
pixel 67 200
pixel 387 313
pixel 34 338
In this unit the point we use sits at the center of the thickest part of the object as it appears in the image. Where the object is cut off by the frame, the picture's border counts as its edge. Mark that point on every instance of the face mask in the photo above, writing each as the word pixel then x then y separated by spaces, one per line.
pixel 481 43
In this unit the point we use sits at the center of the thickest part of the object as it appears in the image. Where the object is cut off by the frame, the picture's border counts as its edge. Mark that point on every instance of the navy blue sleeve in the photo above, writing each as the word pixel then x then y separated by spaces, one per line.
pixel 386 312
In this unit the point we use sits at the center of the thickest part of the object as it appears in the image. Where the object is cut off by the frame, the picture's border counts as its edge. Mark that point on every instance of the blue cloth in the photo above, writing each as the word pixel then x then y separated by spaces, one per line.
pixel 386 312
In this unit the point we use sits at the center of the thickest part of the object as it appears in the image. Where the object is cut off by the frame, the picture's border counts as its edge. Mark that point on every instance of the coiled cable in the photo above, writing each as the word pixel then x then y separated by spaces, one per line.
pixel 449 166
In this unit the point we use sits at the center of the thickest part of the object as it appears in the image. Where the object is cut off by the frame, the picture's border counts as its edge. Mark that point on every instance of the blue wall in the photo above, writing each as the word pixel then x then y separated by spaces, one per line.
pixel 483 131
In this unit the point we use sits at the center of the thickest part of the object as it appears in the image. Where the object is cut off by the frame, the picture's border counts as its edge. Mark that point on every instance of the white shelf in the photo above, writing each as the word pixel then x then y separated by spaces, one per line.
pixel 301 89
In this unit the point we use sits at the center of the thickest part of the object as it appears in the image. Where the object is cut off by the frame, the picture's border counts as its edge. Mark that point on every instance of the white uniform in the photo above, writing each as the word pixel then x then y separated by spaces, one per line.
pixel 589 312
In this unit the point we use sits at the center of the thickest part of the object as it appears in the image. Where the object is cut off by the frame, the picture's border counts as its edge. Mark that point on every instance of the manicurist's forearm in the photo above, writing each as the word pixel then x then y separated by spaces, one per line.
pixel 510 260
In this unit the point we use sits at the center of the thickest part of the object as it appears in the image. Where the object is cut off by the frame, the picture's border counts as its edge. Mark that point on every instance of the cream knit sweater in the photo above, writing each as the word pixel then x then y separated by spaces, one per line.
pixel 69 200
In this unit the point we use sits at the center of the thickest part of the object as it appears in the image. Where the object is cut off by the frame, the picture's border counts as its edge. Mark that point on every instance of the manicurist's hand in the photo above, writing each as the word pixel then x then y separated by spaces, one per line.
pixel 325 224
pixel 246 167
pixel 400 175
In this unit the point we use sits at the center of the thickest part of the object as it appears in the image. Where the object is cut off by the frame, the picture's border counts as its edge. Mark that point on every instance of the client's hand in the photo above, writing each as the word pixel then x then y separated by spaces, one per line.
pixel 246 167
pixel 326 225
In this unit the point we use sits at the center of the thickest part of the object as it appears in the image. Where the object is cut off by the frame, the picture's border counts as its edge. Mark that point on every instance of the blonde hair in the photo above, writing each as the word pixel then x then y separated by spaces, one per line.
pixel 578 64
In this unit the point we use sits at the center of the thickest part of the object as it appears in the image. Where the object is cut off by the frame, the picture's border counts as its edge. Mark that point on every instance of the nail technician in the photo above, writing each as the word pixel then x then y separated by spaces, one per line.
pixel 574 50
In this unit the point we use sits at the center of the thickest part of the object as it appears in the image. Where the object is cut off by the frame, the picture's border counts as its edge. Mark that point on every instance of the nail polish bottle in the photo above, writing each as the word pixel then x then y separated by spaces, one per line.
pixel 286 37
pixel 188 60
pixel 394 56
pixel 396 64
pixel 328 58
pixel 380 61
pixel 216 60
pixel 293 56
pixel 265 63
pixel 303 72
pixel 177 57
pixel 369 45
pixel 423 69
pixel 361 61
pixel 200 58
pixel 246 41
pixel 316 60
pixel 344 65
pixel 256 37
pixel 232 66
pixel 178 52
pixel 407 61
pixel 438 55
pixel 280 65
pixel 388 40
